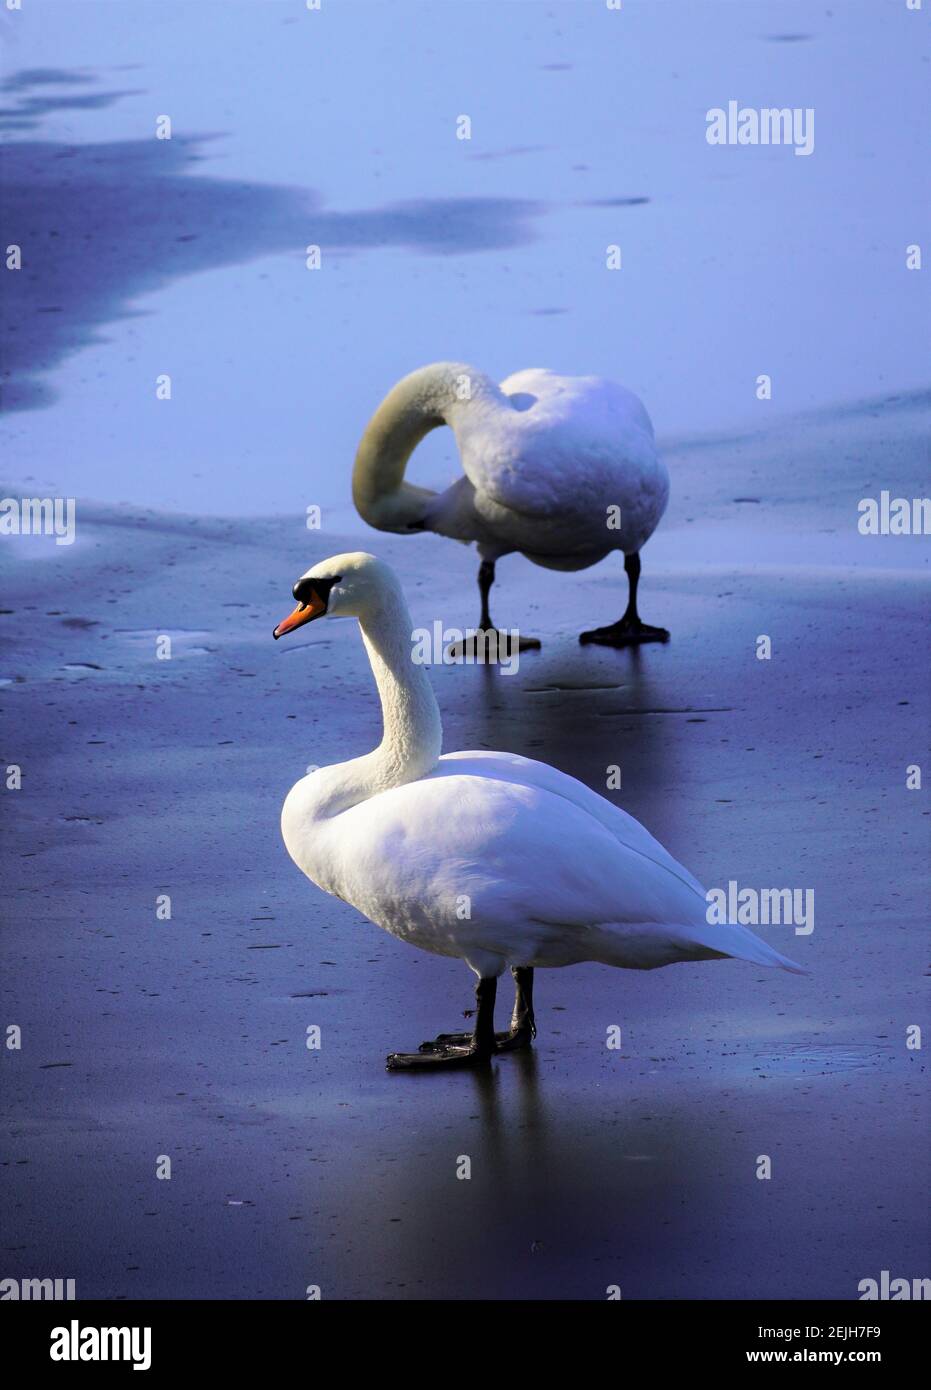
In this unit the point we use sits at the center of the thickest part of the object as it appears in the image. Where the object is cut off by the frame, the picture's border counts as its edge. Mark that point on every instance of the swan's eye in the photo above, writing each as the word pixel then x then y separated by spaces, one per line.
pixel 308 589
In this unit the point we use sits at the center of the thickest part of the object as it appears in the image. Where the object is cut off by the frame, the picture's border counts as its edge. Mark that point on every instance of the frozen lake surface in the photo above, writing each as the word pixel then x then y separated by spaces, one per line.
pixel 185 1037
pixel 590 1167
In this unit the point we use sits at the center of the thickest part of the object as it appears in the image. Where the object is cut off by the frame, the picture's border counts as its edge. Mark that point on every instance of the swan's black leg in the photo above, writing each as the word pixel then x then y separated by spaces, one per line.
pixel 491 639
pixel 523 1023
pixel 478 1048
pixel 628 631
pixel 523 1026
pixel 486 577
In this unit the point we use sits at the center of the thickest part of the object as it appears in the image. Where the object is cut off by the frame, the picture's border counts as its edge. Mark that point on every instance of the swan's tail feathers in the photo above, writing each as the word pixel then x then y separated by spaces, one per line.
pixel 647 945
pixel 728 939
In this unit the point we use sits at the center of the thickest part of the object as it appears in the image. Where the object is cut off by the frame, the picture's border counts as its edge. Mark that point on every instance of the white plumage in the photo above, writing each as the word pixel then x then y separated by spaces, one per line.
pixel 562 469
pixel 551 873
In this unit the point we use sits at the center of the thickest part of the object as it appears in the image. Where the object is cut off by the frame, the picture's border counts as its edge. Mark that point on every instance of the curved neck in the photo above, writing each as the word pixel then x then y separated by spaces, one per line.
pixel 413 732
pixel 422 401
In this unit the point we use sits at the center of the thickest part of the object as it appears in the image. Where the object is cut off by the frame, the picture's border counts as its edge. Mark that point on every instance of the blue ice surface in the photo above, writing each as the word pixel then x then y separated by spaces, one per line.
pixel 338 128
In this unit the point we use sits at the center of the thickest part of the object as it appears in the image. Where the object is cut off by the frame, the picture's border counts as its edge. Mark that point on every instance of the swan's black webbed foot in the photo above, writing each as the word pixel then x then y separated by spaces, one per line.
pixel 490 645
pixel 521 1033
pixel 473 1050
pixel 626 632
pixel 512 1041
pixel 487 643
pixel 446 1055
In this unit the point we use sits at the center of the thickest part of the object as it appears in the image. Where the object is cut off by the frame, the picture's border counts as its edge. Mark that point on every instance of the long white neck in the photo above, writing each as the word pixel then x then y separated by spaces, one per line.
pixel 431 396
pixel 413 732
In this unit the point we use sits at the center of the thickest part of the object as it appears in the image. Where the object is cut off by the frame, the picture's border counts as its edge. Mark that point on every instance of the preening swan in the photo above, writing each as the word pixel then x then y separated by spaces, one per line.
pixel 490 857
pixel 563 469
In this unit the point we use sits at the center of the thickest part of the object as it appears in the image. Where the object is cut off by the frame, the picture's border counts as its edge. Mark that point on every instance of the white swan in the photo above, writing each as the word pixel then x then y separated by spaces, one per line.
pixel 490 857
pixel 562 469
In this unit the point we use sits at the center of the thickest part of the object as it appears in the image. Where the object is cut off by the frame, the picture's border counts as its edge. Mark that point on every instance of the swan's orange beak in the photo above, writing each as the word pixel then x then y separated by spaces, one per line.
pixel 303 613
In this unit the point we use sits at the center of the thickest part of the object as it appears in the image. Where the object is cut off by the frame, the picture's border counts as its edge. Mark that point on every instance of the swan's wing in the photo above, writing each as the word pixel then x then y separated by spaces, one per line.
pixel 605 403
pixel 514 851
pixel 467 864
pixel 511 767
pixel 582 445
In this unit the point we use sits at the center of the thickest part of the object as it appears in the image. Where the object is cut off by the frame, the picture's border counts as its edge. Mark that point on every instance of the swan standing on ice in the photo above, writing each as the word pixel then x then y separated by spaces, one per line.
pixel 563 469
pixel 490 857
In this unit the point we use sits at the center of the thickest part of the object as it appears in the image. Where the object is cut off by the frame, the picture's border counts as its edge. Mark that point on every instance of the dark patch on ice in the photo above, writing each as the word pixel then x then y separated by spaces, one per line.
pixel 28 113
pixel 316 993
pixel 102 224
pixel 687 709
pixel 27 78
pixel 546 689
pixel 509 153
pixel 613 202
